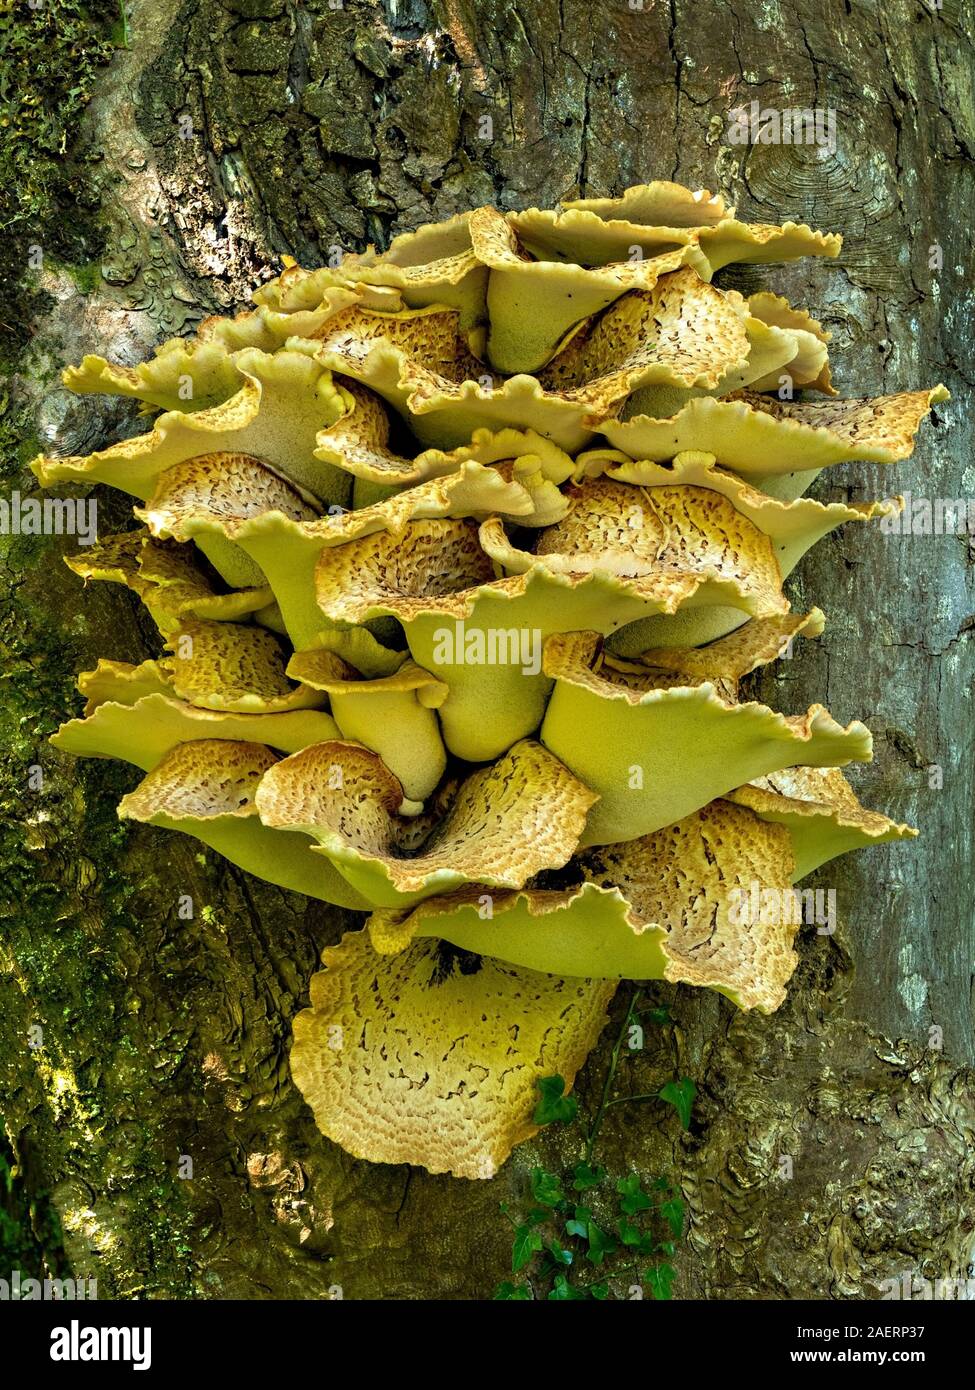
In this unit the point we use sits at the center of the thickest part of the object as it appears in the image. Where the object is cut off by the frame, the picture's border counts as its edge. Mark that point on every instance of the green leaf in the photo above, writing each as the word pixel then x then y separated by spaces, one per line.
pixel 640 1242
pixel 564 1291
pixel 680 1094
pixel 559 1253
pixel 630 1234
pixel 516 1292
pixel 601 1243
pixel 659 1278
pixel 584 1177
pixel 632 1196
pixel 526 1244
pixel 599 1291
pixel 673 1214
pixel 546 1188
pixel 661 1015
pixel 579 1224
pixel 554 1103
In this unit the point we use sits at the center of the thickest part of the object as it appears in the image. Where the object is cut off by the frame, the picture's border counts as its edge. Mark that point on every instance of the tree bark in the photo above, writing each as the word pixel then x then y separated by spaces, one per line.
pixel 831 1144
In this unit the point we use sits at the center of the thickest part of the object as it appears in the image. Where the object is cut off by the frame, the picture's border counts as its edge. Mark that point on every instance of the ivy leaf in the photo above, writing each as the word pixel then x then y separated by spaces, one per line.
pixel 564 1291
pixel 601 1243
pixel 632 1196
pixel 660 1278
pixel 673 1214
pixel 526 1244
pixel 680 1094
pixel 516 1292
pixel 630 1234
pixel 584 1177
pixel 661 1015
pixel 579 1225
pixel 599 1291
pixel 640 1242
pixel 554 1103
pixel 546 1188
pixel 559 1253
pixel 666 1247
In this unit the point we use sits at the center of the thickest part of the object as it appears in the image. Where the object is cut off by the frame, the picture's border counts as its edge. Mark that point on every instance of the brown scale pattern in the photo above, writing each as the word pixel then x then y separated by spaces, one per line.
pixel 887 422
pixel 504 824
pixel 201 780
pixel 231 487
pixel 432 1061
pixel 660 533
pixel 685 878
pixel 416 572
pixel 694 331
pixel 232 666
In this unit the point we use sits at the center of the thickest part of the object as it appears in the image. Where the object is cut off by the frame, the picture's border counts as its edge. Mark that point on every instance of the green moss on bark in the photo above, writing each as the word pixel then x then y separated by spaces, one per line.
pixel 51 60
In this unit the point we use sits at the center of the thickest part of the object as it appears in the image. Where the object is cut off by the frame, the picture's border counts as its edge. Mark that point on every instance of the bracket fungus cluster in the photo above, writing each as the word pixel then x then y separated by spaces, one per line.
pixel 459 554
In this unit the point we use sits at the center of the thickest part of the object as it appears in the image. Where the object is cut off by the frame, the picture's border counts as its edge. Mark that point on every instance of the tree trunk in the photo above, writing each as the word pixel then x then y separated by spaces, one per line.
pixel 830 1145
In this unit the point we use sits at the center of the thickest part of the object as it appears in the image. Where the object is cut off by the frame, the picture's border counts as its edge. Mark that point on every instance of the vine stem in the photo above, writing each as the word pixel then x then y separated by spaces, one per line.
pixel 621 1100
pixel 614 1061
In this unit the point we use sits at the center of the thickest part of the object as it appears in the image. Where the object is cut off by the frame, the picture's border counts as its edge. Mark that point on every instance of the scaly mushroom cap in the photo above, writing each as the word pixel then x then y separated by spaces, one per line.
pixel 706 901
pixel 293 306
pixel 658 216
pixel 787 528
pixel 821 812
pixel 224 666
pixel 241 500
pixel 270 405
pixel 121 682
pixel 506 822
pixel 762 437
pixel 675 905
pixel 207 789
pixel 436 264
pixel 296 291
pixel 549 270
pixel 668 544
pixel 166 577
pixel 657 748
pixel 432 1057
pixel 483 636
pixel 359 443
pixel 394 715
pixel 533 305
pixel 142 730
pixel 200 781
pixel 792 527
